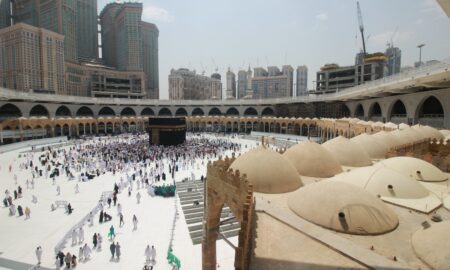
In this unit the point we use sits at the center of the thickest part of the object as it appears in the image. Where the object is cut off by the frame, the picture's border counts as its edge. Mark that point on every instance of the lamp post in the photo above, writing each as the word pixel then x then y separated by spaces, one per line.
pixel 420 53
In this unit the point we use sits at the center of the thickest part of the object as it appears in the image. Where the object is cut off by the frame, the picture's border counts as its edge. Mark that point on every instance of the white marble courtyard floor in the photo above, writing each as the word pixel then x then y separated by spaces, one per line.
pixel 19 237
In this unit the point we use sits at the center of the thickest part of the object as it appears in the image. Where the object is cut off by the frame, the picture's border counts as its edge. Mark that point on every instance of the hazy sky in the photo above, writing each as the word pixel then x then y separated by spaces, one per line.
pixel 238 33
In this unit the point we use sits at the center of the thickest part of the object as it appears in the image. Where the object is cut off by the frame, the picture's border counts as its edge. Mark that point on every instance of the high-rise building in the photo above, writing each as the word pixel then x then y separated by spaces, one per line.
pixel 186 84
pixel 150 35
pixel 107 22
pixel 231 85
pixel 5 13
pixel 60 16
pixel 31 58
pixel 129 36
pixel 272 83
pixel 87 29
pixel 123 28
pixel 394 57
pixel 242 83
pixel 302 80
pixel 26 11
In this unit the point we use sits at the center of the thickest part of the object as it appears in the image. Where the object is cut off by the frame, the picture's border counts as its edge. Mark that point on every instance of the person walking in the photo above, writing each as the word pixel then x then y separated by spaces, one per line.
pixel 99 240
pixel 27 212
pixel 74 237
pixel 80 254
pixel 86 252
pixel 135 222
pixel 148 254
pixel 153 254
pixel 60 257
pixel 94 240
pixel 138 197
pixel 39 254
pixel 111 233
pixel 121 223
pixel 81 235
pixel 112 248
pixel 118 251
pixel 68 260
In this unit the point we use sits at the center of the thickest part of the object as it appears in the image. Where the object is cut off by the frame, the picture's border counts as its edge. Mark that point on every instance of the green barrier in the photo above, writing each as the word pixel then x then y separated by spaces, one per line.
pixel 165 191
pixel 172 259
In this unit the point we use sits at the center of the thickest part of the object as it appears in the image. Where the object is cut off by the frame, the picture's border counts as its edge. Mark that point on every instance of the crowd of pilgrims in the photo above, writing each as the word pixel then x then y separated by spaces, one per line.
pixel 139 165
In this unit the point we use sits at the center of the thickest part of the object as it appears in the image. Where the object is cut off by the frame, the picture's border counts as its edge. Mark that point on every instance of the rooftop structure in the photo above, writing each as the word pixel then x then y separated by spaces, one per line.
pixel 186 84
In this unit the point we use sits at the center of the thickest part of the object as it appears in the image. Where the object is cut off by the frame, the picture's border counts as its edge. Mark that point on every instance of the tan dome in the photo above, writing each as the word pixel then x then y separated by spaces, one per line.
pixel 348 152
pixel 391 125
pixel 403 126
pixel 434 133
pixel 406 136
pixel 445 132
pixel 387 139
pixel 429 132
pixel 432 245
pixel 342 207
pixel 268 171
pixel 385 182
pixel 311 159
pixel 416 168
pixel 375 149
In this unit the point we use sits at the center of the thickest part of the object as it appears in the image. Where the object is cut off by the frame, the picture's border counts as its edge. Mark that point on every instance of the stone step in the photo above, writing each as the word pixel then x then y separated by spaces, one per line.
pixel 191 201
pixel 223 229
pixel 188 207
pixel 198 240
pixel 191 196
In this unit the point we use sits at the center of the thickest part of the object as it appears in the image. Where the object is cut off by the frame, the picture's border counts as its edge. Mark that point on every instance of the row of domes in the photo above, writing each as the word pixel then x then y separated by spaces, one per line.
pixel 349 202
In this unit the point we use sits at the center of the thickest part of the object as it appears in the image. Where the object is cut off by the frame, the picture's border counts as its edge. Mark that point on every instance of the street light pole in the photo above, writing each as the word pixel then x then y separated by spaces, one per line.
pixel 420 53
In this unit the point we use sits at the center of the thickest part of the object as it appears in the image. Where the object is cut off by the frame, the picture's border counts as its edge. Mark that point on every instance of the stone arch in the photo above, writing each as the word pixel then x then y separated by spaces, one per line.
pixel 397 112
pixel 181 112
pixel 84 111
pixel 127 111
pixel 198 111
pixel 375 112
pixel 164 112
pixel 430 112
pixel 147 112
pixel 106 111
pixel 359 111
pixel 267 111
pixel 345 111
pixel 250 111
pixel 232 111
pixel 227 188
pixel 398 109
pixel 63 111
pixel 214 111
pixel 39 110
pixel 10 111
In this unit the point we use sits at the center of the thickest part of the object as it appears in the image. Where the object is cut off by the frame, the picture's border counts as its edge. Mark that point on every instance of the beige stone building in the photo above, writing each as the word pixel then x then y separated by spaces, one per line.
pixel 31 58
pixel 186 84
pixel 272 83
pixel 96 80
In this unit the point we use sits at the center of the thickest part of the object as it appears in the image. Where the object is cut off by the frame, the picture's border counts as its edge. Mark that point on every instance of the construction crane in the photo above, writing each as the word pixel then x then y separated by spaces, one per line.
pixel 361 26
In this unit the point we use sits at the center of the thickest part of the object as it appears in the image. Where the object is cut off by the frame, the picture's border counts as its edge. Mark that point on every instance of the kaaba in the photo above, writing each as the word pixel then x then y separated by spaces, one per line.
pixel 167 130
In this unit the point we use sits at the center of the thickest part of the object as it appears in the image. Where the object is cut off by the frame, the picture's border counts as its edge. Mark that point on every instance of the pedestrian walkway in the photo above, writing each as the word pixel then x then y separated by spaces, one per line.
pixel 15 265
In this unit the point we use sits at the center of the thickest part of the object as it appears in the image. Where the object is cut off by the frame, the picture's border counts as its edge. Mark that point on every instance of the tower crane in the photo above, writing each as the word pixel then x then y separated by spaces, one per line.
pixel 361 26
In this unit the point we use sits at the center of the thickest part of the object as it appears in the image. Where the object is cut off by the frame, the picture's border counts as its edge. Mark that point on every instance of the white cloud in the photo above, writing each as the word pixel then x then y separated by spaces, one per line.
pixel 399 37
pixel 322 17
pixel 157 13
